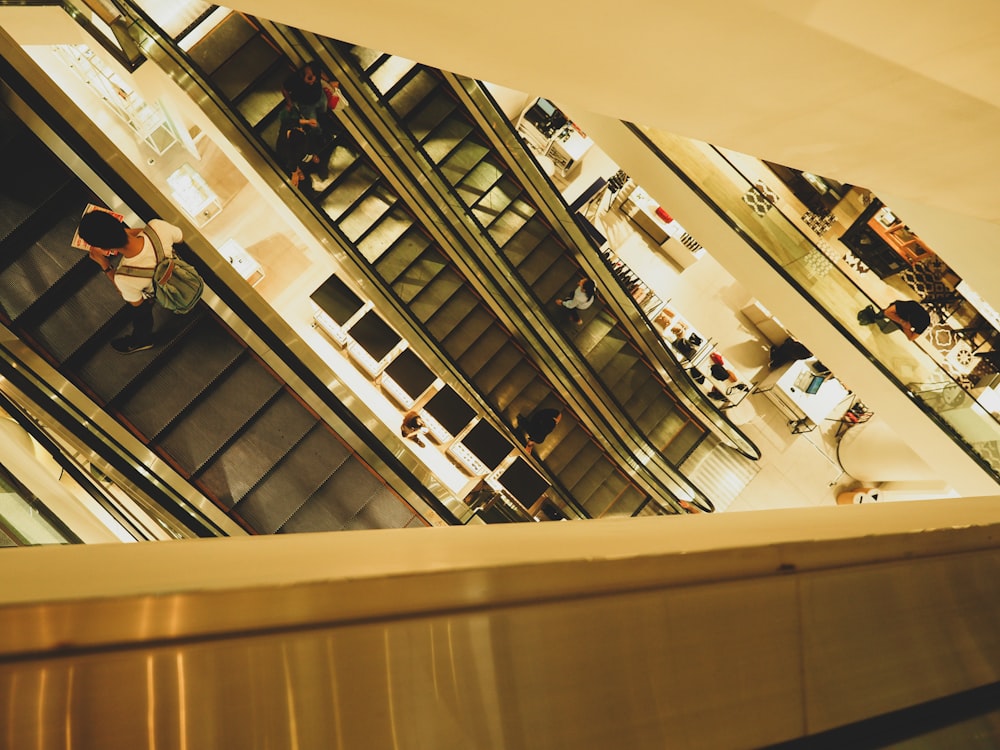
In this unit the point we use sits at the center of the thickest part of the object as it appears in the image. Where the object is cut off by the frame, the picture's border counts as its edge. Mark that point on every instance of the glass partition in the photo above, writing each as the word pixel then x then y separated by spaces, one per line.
pixel 820 273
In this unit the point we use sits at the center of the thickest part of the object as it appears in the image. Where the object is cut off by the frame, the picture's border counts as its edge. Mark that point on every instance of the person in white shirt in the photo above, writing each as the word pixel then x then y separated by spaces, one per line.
pixel 583 297
pixel 108 237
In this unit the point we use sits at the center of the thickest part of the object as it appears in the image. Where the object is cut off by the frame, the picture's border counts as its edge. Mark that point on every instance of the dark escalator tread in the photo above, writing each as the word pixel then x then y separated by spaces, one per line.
pixel 596 474
pixel 78 318
pixel 528 237
pixel 467 332
pixel 435 294
pixel 234 399
pixel 544 255
pixel 598 341
pixel 498 367
pixel 511 386
pixel 445 138
pixel 293 481
pixel 180 375
pixel 419 274
pixel 339 500
pixel 366 213
pixel 106 371
pixel 389 72
pixel 349 188
pixel 222 42
pixel 458 307
pixel 658 411
pixel 459 166
pixel 588 455
pixel 384 511
pixel 239 74
pixel 620 370
pixel 39 267
pixel 482 351
pixel 390 230
pixel 480 179
pixel 234 472
pixel 398 258
pixel 265 97
pixel 566 450
pixel 672 428
pixel 683 443
pixel 643 396
pixel 612 496
pixel 40 175
pixel 432 112
pixel 550 285
pixel 495 201
pixel 507 224
pixel 368 59
pixel 416 90
pixel 534 392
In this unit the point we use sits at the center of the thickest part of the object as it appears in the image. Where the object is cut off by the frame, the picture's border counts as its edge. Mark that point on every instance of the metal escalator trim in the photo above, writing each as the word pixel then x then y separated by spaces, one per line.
pixel 155 484
pixel 279 346
pixel 634 320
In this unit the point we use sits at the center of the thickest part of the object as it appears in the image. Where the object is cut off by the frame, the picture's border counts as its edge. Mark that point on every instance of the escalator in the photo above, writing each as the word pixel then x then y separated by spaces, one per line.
pixel 426 107
pixel 374 218
pixel 201 400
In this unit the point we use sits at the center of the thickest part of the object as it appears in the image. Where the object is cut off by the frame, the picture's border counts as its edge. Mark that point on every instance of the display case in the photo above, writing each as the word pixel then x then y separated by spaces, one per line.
pixel 194 195
pixel 148 121
pixel 244 263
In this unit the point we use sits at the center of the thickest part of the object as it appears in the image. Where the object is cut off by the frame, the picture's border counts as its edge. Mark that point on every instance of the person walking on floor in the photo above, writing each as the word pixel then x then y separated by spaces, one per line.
pixel 906 315
pixel 107 237
pixel 582 297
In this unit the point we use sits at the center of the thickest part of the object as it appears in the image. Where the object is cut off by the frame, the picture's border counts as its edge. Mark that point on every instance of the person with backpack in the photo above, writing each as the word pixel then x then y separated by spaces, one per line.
pixel 108 237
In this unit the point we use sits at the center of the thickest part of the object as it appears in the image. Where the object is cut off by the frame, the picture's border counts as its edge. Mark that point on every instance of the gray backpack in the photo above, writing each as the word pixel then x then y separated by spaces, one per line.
pixel 176 285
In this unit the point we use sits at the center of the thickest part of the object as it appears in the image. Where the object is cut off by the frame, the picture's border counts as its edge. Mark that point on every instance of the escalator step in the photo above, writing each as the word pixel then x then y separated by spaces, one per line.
pixel 495 202
pixel 367 212
pixel 341 498
pixel 541 258
pixel 240 74
pixel 204 429
pixel 458 307
pixel 507 224
pixel 617 370
pixel 560 275
pixel 389 72
pixel 349 188
pixel 566 449
pixel 255 450
pixel 446 138
pixel 464 160
pixel 604 493
pixel 436 294
pixel 528 237
pixel 675 423
pixel 431 113
pixel 419 274
pixel 683 442
pixel 646 393
pixel 384 511
pixel 599 341
pixel 186 369
pixel 40 175
pixel 512 385
pixel 390 230
pixel 261 103
pixel 483 176
pixel 497 367
pixel 588 455
pixel 482 351
pixel 69 325
pixel 398 258
pixel 415 91
pixel 467 332
pixel 221 43
pixel 40 266
pixel 293 481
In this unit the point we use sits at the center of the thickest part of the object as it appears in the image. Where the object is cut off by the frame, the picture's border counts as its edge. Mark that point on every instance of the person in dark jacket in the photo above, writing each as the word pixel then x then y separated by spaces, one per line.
pixel 538 426
pixel 902 315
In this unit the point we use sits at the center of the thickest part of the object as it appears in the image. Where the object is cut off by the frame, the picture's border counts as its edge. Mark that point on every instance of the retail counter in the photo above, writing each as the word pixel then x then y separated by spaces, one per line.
pixel 787 387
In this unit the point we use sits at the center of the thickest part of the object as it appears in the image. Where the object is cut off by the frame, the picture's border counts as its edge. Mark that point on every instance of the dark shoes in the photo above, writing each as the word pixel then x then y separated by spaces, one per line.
pixel 416 439
pixel 126 345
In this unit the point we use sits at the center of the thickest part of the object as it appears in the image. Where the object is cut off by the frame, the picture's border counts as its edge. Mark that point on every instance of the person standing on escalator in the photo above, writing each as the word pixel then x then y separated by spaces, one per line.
pixel 582 297
pixel 303 90
pixel 108 237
